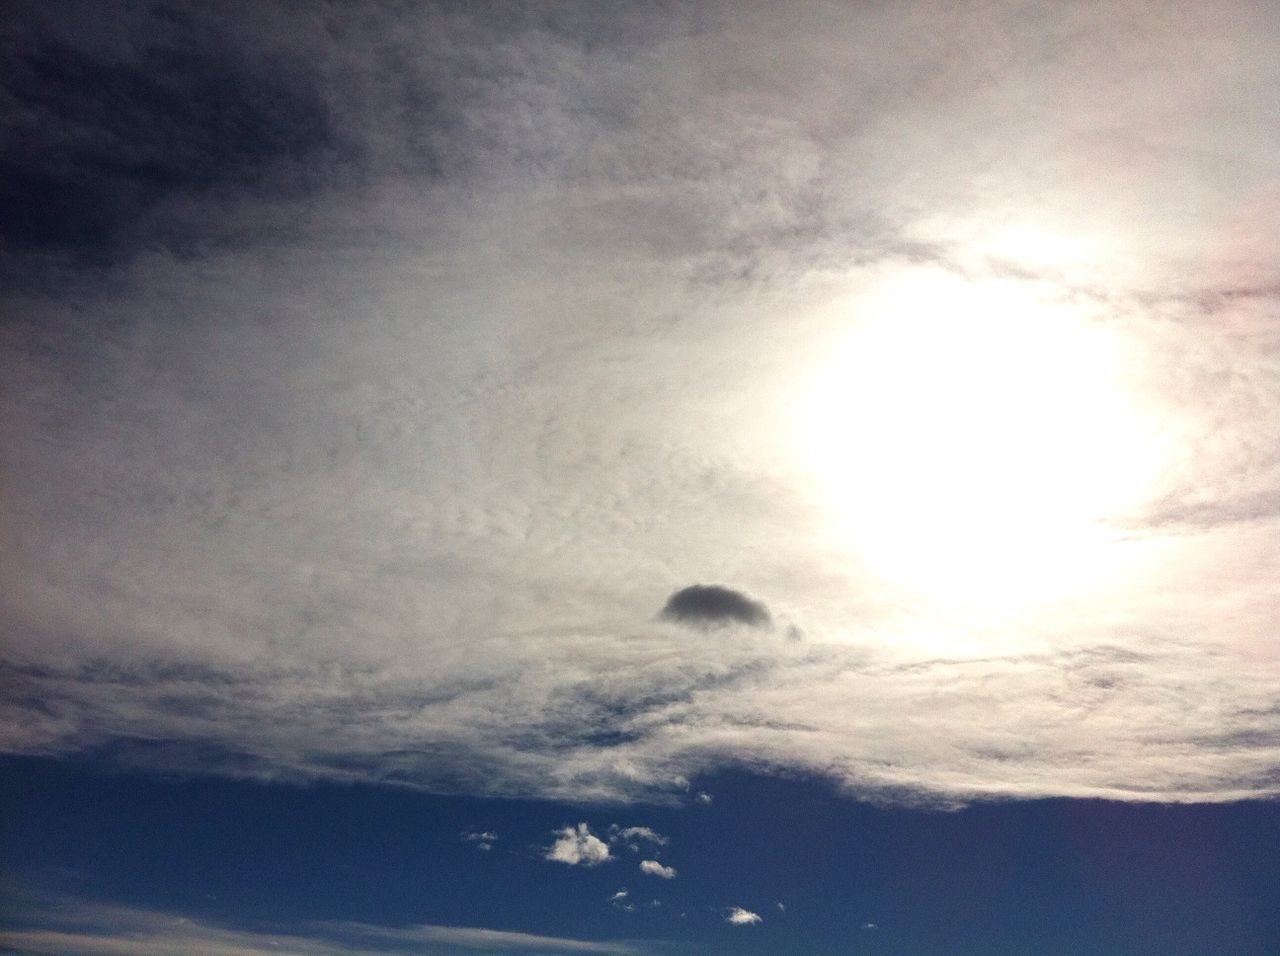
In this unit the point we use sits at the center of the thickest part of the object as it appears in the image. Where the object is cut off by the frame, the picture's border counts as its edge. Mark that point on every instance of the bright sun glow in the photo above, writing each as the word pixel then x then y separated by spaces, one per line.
pixel 974 441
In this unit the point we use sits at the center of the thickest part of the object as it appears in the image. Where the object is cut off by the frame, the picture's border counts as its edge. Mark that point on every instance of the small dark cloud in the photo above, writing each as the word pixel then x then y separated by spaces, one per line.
pixel 706 605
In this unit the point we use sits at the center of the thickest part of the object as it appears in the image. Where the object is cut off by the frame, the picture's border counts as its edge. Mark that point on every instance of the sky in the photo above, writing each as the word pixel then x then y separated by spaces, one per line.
pixel 640 477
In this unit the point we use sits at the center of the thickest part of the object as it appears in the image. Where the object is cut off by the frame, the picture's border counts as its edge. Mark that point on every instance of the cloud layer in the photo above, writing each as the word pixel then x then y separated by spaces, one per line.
pixel 72 929
pixel 358 415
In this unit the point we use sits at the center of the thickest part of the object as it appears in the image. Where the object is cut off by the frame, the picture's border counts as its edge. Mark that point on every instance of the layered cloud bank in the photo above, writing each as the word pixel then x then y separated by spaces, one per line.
pixel 420 403
pixel 1129 722
pixel 76 929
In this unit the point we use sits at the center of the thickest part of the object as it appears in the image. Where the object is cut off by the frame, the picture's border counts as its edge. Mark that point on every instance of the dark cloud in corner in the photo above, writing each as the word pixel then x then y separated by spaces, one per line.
pixel 706 605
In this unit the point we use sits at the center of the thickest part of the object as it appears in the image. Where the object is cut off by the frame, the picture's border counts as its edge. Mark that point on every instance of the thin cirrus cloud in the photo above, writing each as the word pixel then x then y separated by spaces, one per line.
pixel 291 493
pixel 77 929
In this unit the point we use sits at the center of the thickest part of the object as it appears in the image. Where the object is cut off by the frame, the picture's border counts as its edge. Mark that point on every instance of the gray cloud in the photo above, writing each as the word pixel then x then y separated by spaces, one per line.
pixel 711 604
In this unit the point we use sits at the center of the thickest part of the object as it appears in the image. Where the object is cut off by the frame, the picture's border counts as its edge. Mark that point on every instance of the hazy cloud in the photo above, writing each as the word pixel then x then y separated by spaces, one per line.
pixel 740 917
pixel 578 845
pixel 710 604
pixel 483 840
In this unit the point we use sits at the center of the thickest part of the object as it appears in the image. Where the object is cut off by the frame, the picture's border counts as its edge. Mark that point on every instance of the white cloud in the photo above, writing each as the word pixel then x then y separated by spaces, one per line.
pixel 654 868
pixel 740 917
pixel 578 845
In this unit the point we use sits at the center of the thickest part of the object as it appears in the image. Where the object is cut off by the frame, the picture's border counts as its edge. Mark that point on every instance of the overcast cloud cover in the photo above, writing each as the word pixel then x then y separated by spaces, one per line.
pixel 376 378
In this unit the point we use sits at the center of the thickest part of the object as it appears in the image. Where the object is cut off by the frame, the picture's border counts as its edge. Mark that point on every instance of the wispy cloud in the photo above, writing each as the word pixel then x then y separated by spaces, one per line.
pixel 71 929
pixel 484 840
pixel 631 837
pixel 740 917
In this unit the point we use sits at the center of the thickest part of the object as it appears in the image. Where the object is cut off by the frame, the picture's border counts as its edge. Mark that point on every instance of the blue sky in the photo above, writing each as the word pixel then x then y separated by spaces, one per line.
pixel 1051 876
pixel 837 437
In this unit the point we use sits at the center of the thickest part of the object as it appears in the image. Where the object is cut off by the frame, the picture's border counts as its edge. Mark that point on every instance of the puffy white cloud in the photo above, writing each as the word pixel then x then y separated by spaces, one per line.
pixel 654 868
pixel 578 845
pixel 740 917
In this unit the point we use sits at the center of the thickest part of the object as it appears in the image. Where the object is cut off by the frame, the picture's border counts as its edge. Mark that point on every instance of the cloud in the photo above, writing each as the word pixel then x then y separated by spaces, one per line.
pixel 578 846
pixel 484 840
pixel 740 917
pixel 710 604
pixel 631 835
pixel 292 493
pixel 71 928
pixel 654 868
pixel 619 901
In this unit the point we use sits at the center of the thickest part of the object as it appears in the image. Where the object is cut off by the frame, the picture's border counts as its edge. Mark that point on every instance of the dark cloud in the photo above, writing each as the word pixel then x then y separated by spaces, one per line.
pixel 710 604
pixel 97 135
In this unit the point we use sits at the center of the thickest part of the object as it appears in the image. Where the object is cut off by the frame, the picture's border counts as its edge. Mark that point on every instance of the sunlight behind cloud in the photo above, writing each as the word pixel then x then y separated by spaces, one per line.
pixel 975 444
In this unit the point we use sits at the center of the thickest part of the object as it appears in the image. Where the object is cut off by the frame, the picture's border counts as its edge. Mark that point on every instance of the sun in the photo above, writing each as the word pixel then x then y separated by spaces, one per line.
pixel 976 442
